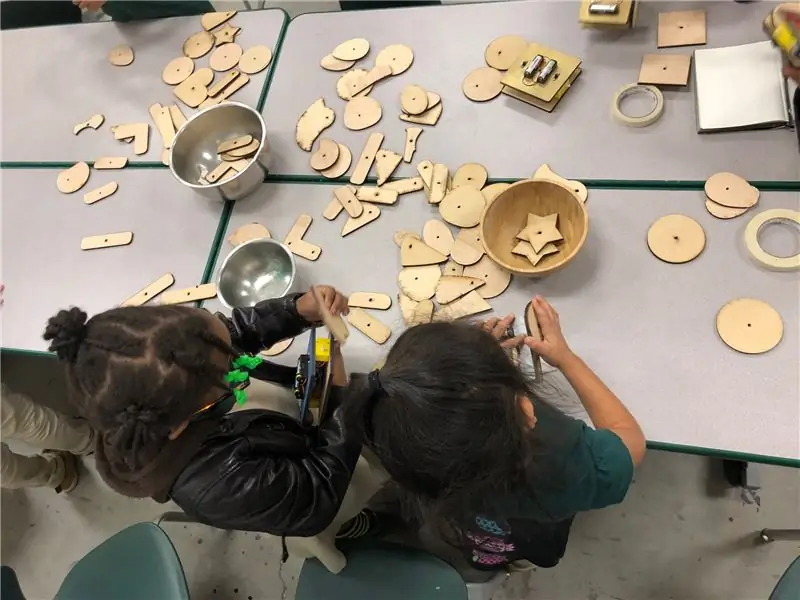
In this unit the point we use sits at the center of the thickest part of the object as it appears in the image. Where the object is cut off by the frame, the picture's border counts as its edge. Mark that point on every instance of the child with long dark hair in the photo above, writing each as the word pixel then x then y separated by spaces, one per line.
pixel 461 429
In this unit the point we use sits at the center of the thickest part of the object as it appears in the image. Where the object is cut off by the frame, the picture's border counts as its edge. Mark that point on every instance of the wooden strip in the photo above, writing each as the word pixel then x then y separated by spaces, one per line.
pixel 218 87
pixel 375 74
pixel 234 87
pixel 334 323
pixel 404 186
pixel 232 144
pixel 100 193
pixel 412 133
pixel 438 183
pixel 177 116
pixel 425 170
pixel 108 240
pixel 110 162
pixel 349 201
pixel 218 172
pixel 366 158
pixel 374 300
pixel 386 162
pixel 163 122
pixel 150 291
pixel 370 213
pixel 204 291
pixel 376 195
pixel 333 209
pixel 369 325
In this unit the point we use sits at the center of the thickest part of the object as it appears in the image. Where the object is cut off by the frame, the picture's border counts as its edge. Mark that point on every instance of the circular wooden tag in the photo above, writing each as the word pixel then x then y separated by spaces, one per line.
pixel 331 63
pixel 247 232
pixel 326 155
pixel 483 84
pixel 347 83
pixel 676 239
pixel 341 165
pixel 731 190
pixel 723 212
pixel 463 206
pixel 177 70
pixel 362 112
pixel 198 44
pixel 497 279
pixel 121 56
pixel 502 52
pixel 749 326
pixel 255 59
pixel 72 179
pixel 278 348
pixel 225 57
pixel 354 49
pixel 471 174
pixel 414 100
pixel 397 57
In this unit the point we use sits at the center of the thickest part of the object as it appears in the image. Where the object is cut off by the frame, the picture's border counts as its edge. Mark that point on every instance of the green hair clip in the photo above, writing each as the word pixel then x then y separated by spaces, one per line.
pixel 239 375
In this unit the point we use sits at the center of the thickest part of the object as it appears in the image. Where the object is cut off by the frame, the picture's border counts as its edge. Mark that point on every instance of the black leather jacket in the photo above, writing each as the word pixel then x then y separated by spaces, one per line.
pixel 260 470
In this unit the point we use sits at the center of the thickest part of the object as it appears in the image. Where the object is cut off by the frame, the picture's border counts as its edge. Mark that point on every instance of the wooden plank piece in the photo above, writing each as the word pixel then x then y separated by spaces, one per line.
pixel 376 195
pixel 108 240
pixel 100 193
pixel 366 158
pixel 204 291
pixel 404 186
pixel 334 323
pixel 369 325
pixel 412 133
pixel 374 300
pixel 439 182
pixel 348 201
pixel 150 291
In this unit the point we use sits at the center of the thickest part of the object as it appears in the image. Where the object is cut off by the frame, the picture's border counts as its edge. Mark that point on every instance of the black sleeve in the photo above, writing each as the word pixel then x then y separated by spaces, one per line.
pixel 272 483
pixel 254 329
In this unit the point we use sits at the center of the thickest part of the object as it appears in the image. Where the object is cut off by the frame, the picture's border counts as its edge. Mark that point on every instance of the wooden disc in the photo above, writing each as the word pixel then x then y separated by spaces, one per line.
pixel 255 59
pixel 502 52
pixel 414 100
pixel 397 57
pixel 723 212
pixel 483 84
pixel 749 326
pixel 347 83
pixel 247 232
pixel 731 190
pixel 354 49
pixel 463 207
pixel 278 348
pixel 362 112
pixel 326 155
pixel 497 279
pixel 198 44
pixel 341 165
pixel 177 70
pixel 121 56
pixel 676 239
pixel 225 57
pixel 331 63
pixel 471 174
pixel 72 179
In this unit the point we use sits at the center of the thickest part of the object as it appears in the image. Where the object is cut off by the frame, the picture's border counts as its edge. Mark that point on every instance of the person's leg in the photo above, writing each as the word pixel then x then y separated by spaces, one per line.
pixel 41 427
pixel 58 470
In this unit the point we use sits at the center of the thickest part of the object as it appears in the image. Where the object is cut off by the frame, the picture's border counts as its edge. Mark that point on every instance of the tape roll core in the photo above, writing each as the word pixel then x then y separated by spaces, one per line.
pixel 776 215
pixel 635 88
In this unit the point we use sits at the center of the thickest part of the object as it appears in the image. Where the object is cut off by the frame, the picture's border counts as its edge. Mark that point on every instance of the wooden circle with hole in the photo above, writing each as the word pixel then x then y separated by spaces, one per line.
pixel 723 212
pixel 72 179
pixel 177 70
pixel 471 174
pixel 503 51
pixel 397 57
pixel 749 326
pixel 326 155
pixel 362 112
pixel 225 57
pixel 255 59
pixel 354 49
pixel 676 239
pixel 414 100
pixel 497 279
pixel 121 56
pixel 731 190
pixel 198 44
pixel 483 84
pixel 463 206
pixel 331 63
pixel 348 81
pixel 341 165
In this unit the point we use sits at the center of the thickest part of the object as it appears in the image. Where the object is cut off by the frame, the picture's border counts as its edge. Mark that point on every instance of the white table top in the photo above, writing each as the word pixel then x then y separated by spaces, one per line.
pixel 645 326
pixel 56 77
pixel 579 139
pixel 44 268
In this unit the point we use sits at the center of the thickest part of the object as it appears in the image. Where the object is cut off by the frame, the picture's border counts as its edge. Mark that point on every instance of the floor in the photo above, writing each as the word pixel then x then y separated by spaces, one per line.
pixel 681 534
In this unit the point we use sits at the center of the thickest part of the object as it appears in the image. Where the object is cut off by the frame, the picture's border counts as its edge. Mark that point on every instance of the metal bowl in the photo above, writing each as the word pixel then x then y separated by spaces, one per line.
pixel 194 150
pixel 256 270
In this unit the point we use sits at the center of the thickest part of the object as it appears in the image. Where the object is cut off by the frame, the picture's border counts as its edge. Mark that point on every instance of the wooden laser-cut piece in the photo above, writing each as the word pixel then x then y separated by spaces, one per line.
pixel 749 326
pixel 366 158
pixel 403 186
pixel 326 155
pixel 223 84
pixel 204 291
pixel 255 59
pixel 462 206
pixel 434 100
pixel 539 231
pixel 497 278
pixel 374 300
pixel 369 325
pixel 419 283
pixel 452 268
pixel 470 174
pixel 376 195
pixel 219 171
pixel 412 133
pixel 150 291
pixel 676 239
pixel 491 191
pixel 429 117
pixel 177 70
pixel 245 151
pixel 373 76
pixel 234 143
pixel 533 330
pixel 453 287
pixel 341 165
pixel 665 69
pixel 121 56
pixel 425 170
pixel 198 44
pixel 483 84
pixel 295 242
pixel 503 51
pixel 731 190
pixel 349 201
pixel 525 249
pixel 414 100
pixel 163 122
pixel 100 193
pixel 226 35
pixel 467 248
pixel 545 173
pixel 277 348
pixel 94 122
pixel 72 179
pixel 416 253
pixel 438 236
pixel 362 112
pixel 313 122
pixel 177 116
pixel 348 83
pixel 225 57
pixel 368 216
pixel 414 312
pixel 335 323
pixel 681 28
pixel 108 240
pixel 333 209
pixel 723 212
pixel 213 20
pixel 193 90
pixel 386 162
pixel 247 232
pixel 331 63
pixel 399 236
pixel 439 182
pixel 397 57
pixel 466 306
pixel 354 49
pixel 110 162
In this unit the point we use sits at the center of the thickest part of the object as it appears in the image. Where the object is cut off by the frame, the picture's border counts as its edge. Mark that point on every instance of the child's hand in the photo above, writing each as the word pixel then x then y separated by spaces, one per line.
pixel 553 347
pixel 499 329
pixel 90 5
pixel 333 300
pixel 339 372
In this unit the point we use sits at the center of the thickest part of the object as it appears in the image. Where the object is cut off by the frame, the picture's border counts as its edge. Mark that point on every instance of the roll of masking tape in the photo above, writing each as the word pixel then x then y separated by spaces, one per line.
pixel 777 215
pixel 630 90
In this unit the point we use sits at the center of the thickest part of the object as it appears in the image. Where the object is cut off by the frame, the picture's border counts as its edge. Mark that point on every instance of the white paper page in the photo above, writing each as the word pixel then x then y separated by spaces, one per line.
pixel 739 86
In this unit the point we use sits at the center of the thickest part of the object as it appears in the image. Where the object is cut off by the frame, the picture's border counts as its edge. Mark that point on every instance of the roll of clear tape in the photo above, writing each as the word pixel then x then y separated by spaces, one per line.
pixel 636 88
pixel 754 227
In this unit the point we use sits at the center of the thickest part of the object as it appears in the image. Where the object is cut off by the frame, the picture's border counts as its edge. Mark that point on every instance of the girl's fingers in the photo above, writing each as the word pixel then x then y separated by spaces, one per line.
pixel 501 327
pixel 488 324
pixel 514 342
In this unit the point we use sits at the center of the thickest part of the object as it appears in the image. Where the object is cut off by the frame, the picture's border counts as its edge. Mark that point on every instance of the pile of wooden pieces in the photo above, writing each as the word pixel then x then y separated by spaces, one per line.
pixel 420 106
pixel 538 238
pixel 729 196
pixel 235 156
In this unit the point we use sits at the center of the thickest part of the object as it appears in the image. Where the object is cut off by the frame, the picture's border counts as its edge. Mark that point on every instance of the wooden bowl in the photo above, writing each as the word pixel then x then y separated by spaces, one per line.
pixel 506 216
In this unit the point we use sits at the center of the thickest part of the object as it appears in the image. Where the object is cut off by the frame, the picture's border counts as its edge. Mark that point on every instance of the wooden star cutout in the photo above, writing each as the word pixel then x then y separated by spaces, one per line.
pixel 539 231
pixel 526 250
pixel 226 35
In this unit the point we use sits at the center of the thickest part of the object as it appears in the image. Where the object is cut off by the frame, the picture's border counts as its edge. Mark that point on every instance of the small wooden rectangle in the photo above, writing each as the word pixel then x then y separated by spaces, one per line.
pixel 374 300
pixel 232 144
pixel 375 74
pixel 665 69
pixel 108 240
pixel 203 291
pixel 178 118
pixel 110 162
pixel 219 171
pixel 681 28
pixel 333 209
pixel 223 83
pixel 151 291
pixel 349 201
pixel 369 325
pixel 334 323
pixel 366 158
pixel 376 195
pixel 100 193
pixel 238 83
pixel 404 186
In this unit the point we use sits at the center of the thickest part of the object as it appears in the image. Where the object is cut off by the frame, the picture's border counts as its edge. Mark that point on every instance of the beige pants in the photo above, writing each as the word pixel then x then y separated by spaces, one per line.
pixel 42 428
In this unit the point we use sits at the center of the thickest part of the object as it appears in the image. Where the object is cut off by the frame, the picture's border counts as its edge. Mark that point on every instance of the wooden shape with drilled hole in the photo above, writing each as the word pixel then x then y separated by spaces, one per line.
pixel 278 348
pixel 665 69
pixel 399 236
pixel 731 190
pixel 438 236
pixel 121 56
pixel 341 165
pixel 452 268
pixel 362 112
pixel 100 193
pixel 497 279
pixel 482 84
pixel 462 206
pixel 369 325
pixel 425 170
pixel 368 216
pixel 525 249
pixel 150 291
pixel 204 291
pixel 419 283
pixel 295 242
pixel 540 231
pixel 467 247
pixel 198 44
pixel 410 146
pixel 314 120
pixel 416 253
pixel 676 239
pixel 326 155
pixel 247 232
pixel 466 306
pixel 348 200
pixel 72 179
pixel 366 158
pixel 177 70
pixel 429 117
pixel 234 143
pixel 110 162
pixel 365 82
pixel 453 287
pixel 491 191
pixel 331 63
pixel 226 34
pixel 354 49
pixel 414 100
pixel 749 326
pixel 369 300
pixel 223 84
pixel 404 186
pixel 397 57
pixel 414 312
pixel 245 151
pixel 545 173
pixel 376 195
pixel 348 83
pixel 471 174
pixel 106 240
pixel 386 162
pixel 723 212
pixel 194 89
pixel 503 51
pixel 213 20
pixel 225 57
pixel 255 59
pixel 439 180
pixel 681 28
pixel 94 122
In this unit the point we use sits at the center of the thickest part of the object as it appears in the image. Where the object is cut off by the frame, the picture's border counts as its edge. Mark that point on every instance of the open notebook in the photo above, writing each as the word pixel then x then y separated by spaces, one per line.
pixel 740 87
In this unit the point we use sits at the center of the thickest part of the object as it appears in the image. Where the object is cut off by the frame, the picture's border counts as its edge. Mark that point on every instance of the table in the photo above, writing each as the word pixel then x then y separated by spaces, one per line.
pixel 578 140
pixel 45 270
pixel 645 326
pixel 56 77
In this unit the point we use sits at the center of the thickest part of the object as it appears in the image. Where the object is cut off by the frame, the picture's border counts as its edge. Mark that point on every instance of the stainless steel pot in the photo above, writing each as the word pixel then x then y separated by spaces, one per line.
pixel 256 270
